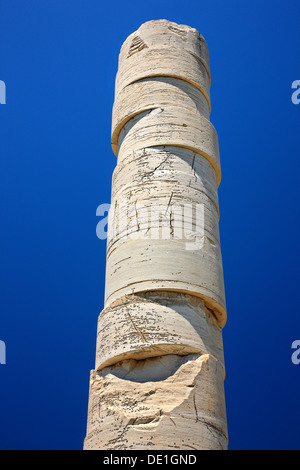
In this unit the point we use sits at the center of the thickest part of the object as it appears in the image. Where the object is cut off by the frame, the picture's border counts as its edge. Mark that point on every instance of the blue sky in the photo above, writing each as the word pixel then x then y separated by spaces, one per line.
pixel 59 61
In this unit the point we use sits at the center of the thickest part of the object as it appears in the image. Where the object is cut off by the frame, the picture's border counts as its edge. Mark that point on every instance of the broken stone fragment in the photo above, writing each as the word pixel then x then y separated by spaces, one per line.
pixel 168 402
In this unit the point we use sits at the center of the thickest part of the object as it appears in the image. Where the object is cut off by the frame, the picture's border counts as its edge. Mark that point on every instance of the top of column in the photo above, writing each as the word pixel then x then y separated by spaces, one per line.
pixel 166 34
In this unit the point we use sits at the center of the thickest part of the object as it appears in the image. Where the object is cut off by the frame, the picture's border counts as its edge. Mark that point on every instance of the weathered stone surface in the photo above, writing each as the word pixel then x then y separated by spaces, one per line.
pixel 159 369
pixel 152 93
pixel 156 240
pixel 165 34
pixel 167 126
pixel 163 62
pixel 142 265
pixel 180 168
pixel 168 402
pixel 163 211
pixel 156 324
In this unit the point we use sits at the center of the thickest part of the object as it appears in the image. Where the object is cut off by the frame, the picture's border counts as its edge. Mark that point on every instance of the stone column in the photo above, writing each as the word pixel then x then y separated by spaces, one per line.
pixel 158 381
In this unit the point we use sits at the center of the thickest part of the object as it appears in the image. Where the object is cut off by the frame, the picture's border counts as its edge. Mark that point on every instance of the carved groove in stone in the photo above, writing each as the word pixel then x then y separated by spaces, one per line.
pixel 136 46
pixel 160 33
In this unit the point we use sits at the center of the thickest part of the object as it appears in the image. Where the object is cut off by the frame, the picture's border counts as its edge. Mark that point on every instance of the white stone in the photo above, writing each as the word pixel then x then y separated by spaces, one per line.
pixel 163 62
pixel 152 93
pixel 170 127
pixel 142 265
pixel 164 403
pixel 164 33
pixel 165 210
pixel 180 168
pixel 156 324
pixel 159 371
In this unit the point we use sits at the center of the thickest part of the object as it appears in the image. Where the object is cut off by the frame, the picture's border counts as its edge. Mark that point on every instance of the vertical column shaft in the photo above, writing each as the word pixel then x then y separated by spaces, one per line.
pixel 158 381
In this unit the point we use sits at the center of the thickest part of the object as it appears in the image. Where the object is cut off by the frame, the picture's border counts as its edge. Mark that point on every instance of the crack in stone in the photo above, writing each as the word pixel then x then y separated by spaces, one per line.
pixel 156 168
pixel 137 220
pixel 135 327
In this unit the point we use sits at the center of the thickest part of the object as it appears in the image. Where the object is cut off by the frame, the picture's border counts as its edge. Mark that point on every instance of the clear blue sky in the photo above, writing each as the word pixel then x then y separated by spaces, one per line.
pixel 59 60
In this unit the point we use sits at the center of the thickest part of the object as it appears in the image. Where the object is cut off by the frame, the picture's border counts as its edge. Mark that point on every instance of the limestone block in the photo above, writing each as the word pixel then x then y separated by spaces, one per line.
pixel 180 168
pixel 156 324
pixel 163 210
pixel 160 264
pixel 160 62
pixel 152 93
pixel 171 127
pixel 163 33
pixel 167 402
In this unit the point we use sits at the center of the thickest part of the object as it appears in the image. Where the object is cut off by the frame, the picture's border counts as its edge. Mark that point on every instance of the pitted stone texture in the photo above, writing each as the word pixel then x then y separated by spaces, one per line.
pixel 152 93
pixel 162 403
pixel 165 34
pixel 171 127
pixel 163 62
pixel 156 324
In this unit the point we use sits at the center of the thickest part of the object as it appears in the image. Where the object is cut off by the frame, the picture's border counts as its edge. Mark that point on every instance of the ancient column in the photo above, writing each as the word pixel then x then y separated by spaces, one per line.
pixel 158 381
